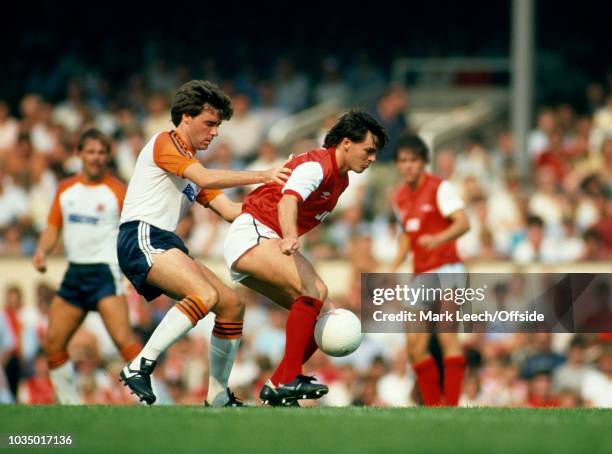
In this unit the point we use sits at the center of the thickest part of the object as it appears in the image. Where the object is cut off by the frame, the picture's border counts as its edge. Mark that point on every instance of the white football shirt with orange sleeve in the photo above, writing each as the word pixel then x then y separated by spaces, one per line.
pixel 158 194
pixel 88 214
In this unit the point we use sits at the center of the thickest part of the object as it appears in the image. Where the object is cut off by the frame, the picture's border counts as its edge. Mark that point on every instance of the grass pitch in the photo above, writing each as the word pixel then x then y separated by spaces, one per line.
pixel 197 429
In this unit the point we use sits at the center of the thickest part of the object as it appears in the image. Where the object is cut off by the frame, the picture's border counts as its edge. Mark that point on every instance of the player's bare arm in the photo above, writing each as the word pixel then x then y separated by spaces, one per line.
pixel 287 217
pixel 459 225
pixel 47 242
pixel 213 178
pixel 225 207
pixel 402 252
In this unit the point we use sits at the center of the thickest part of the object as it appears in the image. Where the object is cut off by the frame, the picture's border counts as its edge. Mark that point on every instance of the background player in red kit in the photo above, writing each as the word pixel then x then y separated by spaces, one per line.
pixel 432 217
pixel 262 246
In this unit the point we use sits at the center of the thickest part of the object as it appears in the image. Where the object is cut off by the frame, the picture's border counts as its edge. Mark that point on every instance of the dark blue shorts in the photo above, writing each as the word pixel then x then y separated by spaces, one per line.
pixel 136 244
pixel 86 284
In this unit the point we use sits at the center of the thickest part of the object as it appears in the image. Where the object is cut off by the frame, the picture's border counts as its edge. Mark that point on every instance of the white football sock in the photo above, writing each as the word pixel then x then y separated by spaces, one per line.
pixel 222 356
pixel 64 383
pixel 173 326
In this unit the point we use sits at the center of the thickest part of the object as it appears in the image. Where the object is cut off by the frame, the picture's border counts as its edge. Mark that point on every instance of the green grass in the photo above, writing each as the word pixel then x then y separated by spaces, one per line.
pixel 198 429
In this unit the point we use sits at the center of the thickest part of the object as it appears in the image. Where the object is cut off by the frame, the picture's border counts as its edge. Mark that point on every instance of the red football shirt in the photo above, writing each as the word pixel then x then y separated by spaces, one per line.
pixel 315 182
pixel 425 211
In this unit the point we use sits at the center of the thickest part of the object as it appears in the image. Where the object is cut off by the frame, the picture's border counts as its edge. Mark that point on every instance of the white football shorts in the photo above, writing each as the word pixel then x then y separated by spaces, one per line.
pixel 244 234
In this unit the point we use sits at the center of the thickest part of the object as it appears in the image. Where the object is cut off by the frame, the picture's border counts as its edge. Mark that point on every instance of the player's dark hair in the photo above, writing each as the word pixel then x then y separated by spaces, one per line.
pixel 413 143
pixel 534 221
pixel 354 125
pixel 191 98
pixel 94 134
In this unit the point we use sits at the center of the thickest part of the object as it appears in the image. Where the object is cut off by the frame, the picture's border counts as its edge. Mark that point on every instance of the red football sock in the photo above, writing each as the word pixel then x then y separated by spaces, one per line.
pixel 428 380
pixel 311 348
pixel 454 368
pixel 298 334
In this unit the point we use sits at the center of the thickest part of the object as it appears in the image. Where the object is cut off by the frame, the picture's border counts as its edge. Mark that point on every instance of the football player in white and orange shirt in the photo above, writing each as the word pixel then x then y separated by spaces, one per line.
pixel 432 218
pixel 167 180
pixel 85 211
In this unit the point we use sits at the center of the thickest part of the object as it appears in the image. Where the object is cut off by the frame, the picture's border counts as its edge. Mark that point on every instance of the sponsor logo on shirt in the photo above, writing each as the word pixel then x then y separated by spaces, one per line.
pixel 325 195
pixel 79 219
pixel 189 193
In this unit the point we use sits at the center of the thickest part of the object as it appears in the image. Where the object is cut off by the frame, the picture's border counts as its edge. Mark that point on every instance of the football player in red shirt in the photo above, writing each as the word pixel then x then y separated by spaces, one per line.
pixel 262 246
pixel 432 217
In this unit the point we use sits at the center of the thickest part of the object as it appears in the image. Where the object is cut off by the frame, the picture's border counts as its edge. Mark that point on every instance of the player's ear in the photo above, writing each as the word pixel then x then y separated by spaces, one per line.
pixel 346 144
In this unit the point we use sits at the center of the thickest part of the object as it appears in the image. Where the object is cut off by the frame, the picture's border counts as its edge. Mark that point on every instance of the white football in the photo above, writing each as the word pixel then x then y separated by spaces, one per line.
pixel 338 332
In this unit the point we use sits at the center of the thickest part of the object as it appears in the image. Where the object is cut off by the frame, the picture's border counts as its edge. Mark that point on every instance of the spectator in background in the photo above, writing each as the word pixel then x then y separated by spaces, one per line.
pixel 597 385
pixel 267 156
pixel 542 360
pixel 268 111
pixel 7 345
pixel 536 246
pixel 14 203
pixel 291 87
pixel 9 128
pixel 71 112
pixel 364 78
pixel 157 119
pixel 555 156
pixel 332 87
pixel 540 392
pixel 547 202
pixel 537 141
pixel 570 376
pixel 23 337
pixel 244 131
pixel 390 111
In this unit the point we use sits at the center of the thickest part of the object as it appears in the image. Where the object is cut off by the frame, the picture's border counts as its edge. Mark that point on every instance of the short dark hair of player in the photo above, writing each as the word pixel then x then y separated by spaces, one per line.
pixel 534 221
pixel 354 125
pixel 191 98
pixel 413 143
pixel 94 134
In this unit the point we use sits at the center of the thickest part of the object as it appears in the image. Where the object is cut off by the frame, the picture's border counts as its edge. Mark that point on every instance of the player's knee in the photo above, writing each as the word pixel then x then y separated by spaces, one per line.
pixel 317 290
pixel 231 308
pixel 209 296
pixel 52 344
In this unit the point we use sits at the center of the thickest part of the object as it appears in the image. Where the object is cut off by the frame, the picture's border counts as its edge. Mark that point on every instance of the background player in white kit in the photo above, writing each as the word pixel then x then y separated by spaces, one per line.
pixel 86 210
pixel 167 180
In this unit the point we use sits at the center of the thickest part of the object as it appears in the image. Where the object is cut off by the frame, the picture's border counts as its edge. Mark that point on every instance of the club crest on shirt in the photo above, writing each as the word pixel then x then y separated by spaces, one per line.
pixel 189 193
pixel 325 195
pixel 427 207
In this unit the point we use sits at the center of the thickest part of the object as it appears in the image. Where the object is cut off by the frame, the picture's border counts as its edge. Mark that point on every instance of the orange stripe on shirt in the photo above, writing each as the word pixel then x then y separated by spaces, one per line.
pixel 118 187
pixel 207 195
pixel 167 155
pixel 55 214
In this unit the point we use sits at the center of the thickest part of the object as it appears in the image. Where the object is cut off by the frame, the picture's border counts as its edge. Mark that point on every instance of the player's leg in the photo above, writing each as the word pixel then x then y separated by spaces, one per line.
pixel 64 320
pixel 297 277
pixel 454 367
pixel 178 276
pixel 114 312
pixel 425 368
pixel 225 340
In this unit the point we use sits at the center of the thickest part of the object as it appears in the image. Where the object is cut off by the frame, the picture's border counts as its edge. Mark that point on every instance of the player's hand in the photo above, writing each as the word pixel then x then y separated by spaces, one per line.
pixel 289 245
pixel 40 260
pixel 429 241
pixel 279 174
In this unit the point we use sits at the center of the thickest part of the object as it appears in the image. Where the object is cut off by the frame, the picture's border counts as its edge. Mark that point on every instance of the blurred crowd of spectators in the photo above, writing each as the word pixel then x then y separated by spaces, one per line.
pixel 504 369
pixel 563 213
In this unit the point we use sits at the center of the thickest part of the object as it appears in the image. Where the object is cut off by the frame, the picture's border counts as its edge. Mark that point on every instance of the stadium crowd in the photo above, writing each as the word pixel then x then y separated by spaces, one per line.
pixel 562 214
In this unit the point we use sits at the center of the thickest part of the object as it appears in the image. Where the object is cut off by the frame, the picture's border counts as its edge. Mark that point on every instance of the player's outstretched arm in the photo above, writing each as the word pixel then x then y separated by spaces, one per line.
pixel 225 207
pixel 47 242
pixel 220 179
pixel 287 218
pixel 402 252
